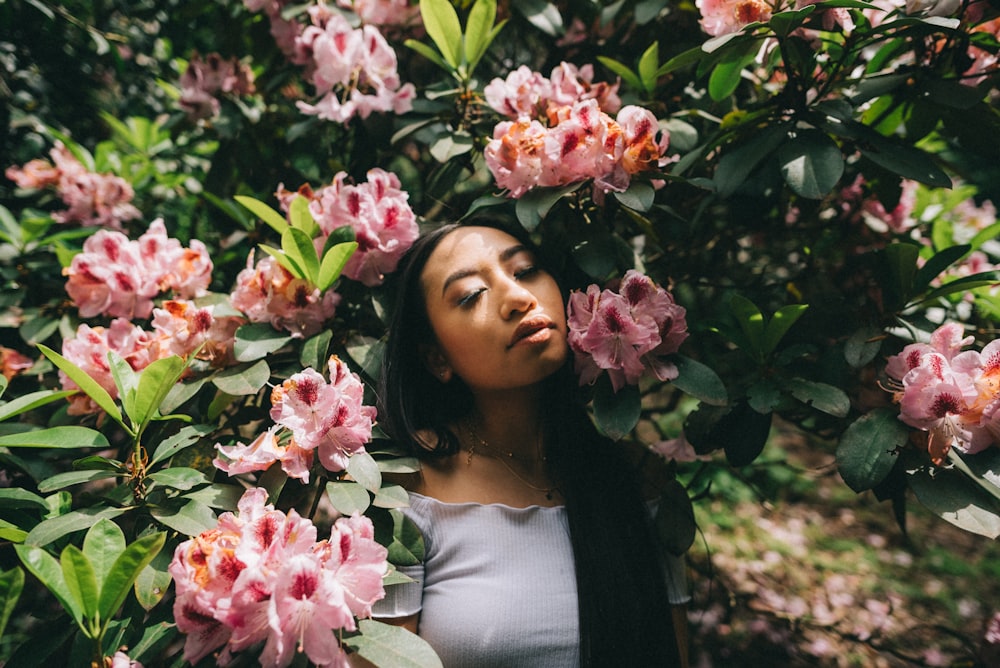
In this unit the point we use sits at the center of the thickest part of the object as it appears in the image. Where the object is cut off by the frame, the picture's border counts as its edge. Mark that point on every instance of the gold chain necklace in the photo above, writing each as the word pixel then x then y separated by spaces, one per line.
pixel 547 491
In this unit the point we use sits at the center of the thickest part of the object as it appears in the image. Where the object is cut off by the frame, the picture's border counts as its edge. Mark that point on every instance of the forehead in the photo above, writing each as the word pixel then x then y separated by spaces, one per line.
pixel 465 249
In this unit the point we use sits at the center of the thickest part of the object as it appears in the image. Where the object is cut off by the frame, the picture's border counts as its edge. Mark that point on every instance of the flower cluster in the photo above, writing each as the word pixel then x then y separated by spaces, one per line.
pixel 205 79
pixel 721 17
pixel 626 331
pixel 582 142
pixel 261 576
pixel 93 199
pixel 117 277
pixel 528 94
pixel 953 395
pixel 179 328
pixel 12 362
pixel 384 13
pixel 267 292
pixel 327 418
pixel 353 69
pixel 377 210
pixel 857 204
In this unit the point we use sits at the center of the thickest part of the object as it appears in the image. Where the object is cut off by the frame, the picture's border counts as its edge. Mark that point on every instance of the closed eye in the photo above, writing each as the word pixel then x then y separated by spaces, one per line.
pixel 470 298
pixel 526 272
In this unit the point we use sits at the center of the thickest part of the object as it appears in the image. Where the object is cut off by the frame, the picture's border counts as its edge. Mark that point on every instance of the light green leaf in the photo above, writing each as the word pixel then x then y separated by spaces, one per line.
pixel 478 31
pixel 298 246
pixel 622 70
pixel 284 259
pixel 11 585
pixel 152 582
pixel 363 469
pixel 958 500
pixel 185 437
pixel 407 546
pixel 301 216
pixel 648 64
pixel 190 519
pixel 70 478
pixel 348 497
pixel 391 496
pixel 81 583
pixel 333 264
pixel 155 382
pixel 12 498
pixel 31 401
pixel 102 545
pixel 76 520
pixel 441 23
pixel 218 495
pixel 751 321
pixel 428 53
pixel 315 351
pixel 244 379
pixel 399 465
pixel 639 196
pixel 46 568
pixel 87 384
pixel 179 477
pixel 69 437
pixel 264 212
pixel 127 382
pixel 257 340
pixel 125 570
pixel 388 645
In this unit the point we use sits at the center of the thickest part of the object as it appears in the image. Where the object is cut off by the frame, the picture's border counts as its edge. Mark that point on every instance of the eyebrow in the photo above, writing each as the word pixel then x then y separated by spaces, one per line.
pixel 505 255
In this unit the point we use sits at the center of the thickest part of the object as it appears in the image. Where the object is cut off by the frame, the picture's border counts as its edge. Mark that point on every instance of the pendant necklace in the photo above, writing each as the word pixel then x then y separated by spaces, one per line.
pixel 547 491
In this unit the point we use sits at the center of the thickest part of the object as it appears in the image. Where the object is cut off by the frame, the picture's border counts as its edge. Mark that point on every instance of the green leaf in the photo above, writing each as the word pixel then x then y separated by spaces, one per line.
pixel 81 583
pixel 407 545
pixel 257 340
pixel 649 62
pixel 152 583
pixel 964 284
pixel 906 161
pixel 745 433
pixel 127 381
pixel 155 382
pixel 616 413
pixel 12 498
pixel 541 14
pixel 348 497
pixel 863 345
pixel 218 495
pixel 441 23
pixel 821 396
pixel 902 263
pixel 244 379
pixel 764 395
pixel 956 499
pixel 533 205
pixel 285 260
pixel 428 53
pixel 936 264
pixel 399 465
pixel 628 76
pixel 868 448
pixel 63 480
pixel 334 261
pixel 56 437
pixel 783 23
pixel 388 645
pixel 365 471
pixel 190 519
pixel 699 381
pixel 315 351
pixel 77 520
pixel 478 31
pixel 87 384
pixel 391 496
pixel 639 196
pixel 264 212
pixel 779 324
pixel 102 545
pixel 184 438
pixel 729 71
pixel 740 160
pixel 11 585
pixel 125 570
pixel 179 477
pixel 298 246
pixel 46 568
pixel 301 217
pixel 31 401
pixel 751 321
pixel 811 164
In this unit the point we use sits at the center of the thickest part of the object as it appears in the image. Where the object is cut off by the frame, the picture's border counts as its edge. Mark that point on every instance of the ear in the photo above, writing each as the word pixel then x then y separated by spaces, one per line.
pixel 435 362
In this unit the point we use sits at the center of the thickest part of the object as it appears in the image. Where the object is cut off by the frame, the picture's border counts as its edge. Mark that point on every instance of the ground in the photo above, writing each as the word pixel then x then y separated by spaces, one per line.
pixel 820 576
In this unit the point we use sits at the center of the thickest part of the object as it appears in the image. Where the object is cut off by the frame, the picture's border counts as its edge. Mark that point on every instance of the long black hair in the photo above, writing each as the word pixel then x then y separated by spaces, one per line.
pixel 625 615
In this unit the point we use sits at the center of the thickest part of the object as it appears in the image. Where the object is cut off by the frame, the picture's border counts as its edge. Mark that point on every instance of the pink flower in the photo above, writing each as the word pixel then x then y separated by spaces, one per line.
pixel 184 328
pixel 268 293
pixel 384 224
pixel 12 362
pixel 205 79
pixel 520 95
pixel 721 17
pixel 383 12
pixel 89 351
pixel 625 333
pixel 515 155
pixel 261 576
pixel 328 417
pixel 35 174
pixel 121 660
pixel 527 94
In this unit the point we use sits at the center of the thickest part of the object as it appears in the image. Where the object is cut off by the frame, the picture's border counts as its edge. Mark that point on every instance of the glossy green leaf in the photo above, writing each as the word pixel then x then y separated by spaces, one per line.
pixel 649 62
pixel 316 350
pixel 964 284
pixel 541 14
pixel 47 569
pixel 936 264
pixel 301 217
pixel 737 163
pixel 264 212
pixel 190 518
pixel 217 495
pixel 622 70
pixel 31 401
pixel 902 263
pixel 783 23
pixel 298 246
pixel 88 385
pixel 257 340
pixel 333 264
pixel 811 164
pixel 365 471
pixel 11 585
pixel 616 413
pixel 868 448
pixel 81 583
pixel 102 545
pixel 181 393
pixel 244 379
pixel 407 545
pixel 77 520
pixel 428 53
pixel 399 465
pixel 389 645
pixel 126 380
pixel 441 23
pixel 532 207
pixel 69 437
pixel 728 72
pixel 12 498
pixel 906 161
pixel 639 196
pixel 348 497
pixel 155 382
pixel 179 477
pixel 125 570
pixel 751 321
pixel 954 498
pixel 153 581
pixel 185 437
pixel 863 345
pixel 699 381
pixel 70 478
pixel 821 396
pixel 391 496
pixel 479 31
pixel 779 324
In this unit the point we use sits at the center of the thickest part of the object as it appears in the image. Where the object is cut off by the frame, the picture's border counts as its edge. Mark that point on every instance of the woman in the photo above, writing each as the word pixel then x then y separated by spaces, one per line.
pixel 539 546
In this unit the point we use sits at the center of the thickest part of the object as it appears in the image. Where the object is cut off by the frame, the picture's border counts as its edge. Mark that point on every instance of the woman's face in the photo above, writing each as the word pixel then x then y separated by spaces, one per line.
pixel 499 320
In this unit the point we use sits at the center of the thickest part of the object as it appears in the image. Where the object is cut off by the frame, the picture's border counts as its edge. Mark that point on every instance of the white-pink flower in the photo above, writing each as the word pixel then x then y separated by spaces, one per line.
pixel 183 328
pixel 625 332
pixel 400 13
pixel 721 17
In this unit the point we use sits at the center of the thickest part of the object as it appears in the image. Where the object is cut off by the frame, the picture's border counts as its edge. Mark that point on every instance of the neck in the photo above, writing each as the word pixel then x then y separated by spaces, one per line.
pixel 510 421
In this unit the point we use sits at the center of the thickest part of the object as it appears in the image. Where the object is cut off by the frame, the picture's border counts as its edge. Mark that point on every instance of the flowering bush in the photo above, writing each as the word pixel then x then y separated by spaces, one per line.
pixel 814 181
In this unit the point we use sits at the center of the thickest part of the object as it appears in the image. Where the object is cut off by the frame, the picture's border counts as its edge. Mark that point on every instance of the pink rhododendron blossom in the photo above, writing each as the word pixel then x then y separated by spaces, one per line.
pixel 268 293
pixel 516 155
pixel 721 17
pixel 205 79
pixel 952 394
pixel 12 362
pixel 526 94
pixel 121 660
pixel 384 12
pixel 377 210
pixel 625 332
pixel 261 576
pixel 92 199
pixel 262 453
pixel 117 277
pixel 857 204
pixel 354 70
pixel 89 351
pixel 184 328
pixel 330 418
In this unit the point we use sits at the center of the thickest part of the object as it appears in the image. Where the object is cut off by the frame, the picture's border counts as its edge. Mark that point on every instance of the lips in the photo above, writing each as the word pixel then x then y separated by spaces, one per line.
pixel 530 328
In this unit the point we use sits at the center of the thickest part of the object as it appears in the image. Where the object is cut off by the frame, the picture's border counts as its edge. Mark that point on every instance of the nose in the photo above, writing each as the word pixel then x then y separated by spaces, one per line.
pixel 517 299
